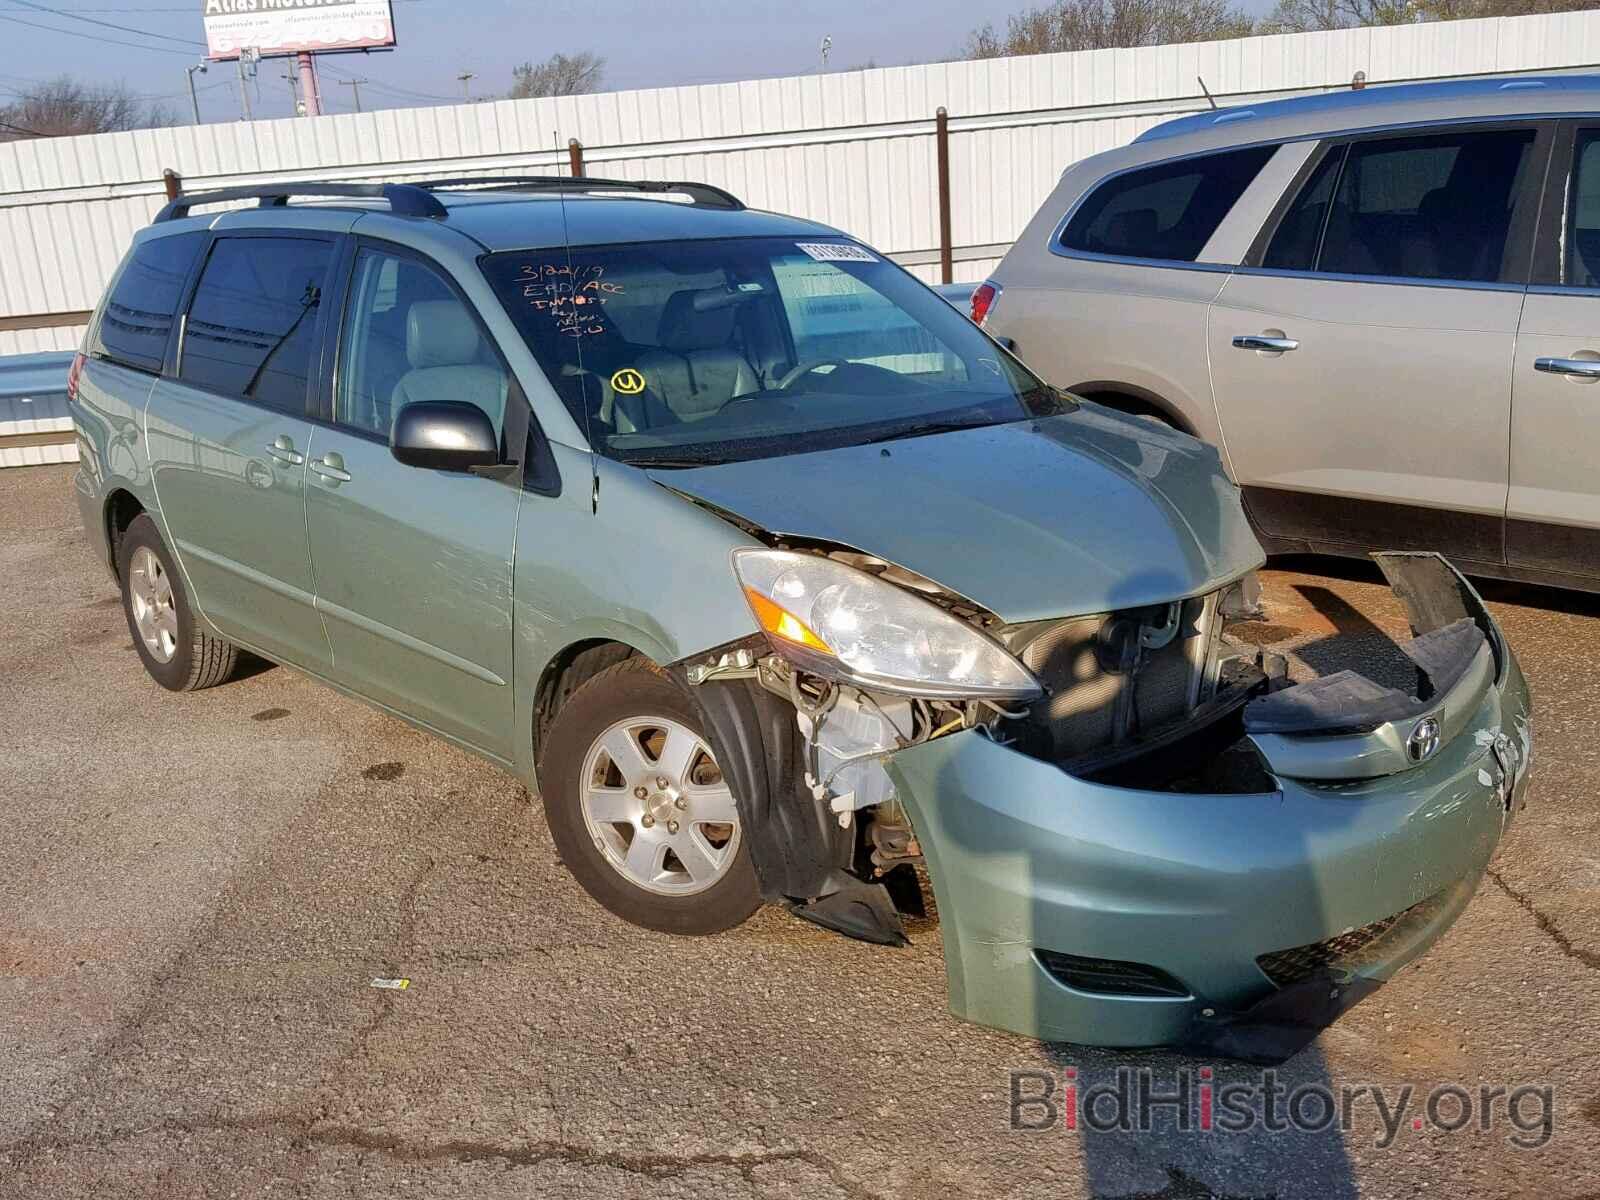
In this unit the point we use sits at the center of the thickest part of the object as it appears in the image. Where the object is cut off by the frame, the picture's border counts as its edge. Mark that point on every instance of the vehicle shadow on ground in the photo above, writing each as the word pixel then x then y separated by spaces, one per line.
pixel 1495 591
pixel 1178 1154
pixel 1356 643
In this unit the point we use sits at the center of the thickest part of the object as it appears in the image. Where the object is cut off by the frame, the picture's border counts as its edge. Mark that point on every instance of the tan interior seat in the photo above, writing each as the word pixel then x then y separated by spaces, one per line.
pixel 697 368
pixel 445 351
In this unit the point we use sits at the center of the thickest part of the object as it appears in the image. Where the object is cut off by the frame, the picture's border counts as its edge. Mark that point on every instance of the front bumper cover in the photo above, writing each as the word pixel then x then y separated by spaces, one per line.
pixel 1025 857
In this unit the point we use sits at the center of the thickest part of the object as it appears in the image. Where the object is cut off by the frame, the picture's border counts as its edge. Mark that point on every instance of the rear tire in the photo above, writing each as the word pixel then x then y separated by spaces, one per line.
pixel 638 809
pixel 172 642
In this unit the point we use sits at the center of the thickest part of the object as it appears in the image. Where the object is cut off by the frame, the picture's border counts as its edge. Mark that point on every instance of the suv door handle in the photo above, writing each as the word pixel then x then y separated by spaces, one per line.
pixel 1577 368
pixel 281 449
pixel 1262 341
pixel 331 467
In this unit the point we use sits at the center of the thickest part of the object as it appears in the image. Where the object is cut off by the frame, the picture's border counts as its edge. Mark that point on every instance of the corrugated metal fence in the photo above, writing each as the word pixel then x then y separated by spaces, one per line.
pixel 854 150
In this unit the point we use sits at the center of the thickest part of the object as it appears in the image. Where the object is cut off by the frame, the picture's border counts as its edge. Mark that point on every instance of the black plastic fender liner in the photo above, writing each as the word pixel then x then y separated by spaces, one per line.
pixel 801 855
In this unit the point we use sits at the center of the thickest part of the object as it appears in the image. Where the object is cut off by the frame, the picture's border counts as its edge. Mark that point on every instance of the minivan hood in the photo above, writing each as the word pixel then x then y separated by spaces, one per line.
pixel 1088 512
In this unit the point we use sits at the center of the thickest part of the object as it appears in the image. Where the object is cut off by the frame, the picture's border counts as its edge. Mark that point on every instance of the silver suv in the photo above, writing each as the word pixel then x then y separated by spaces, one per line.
pixel 1379 305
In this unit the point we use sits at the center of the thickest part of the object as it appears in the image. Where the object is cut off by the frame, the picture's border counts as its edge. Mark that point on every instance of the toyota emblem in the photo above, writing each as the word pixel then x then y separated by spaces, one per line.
pixel 1424 740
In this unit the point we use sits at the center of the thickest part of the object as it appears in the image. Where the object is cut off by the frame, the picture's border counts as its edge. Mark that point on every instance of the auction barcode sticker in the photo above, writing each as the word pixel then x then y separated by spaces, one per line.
pixel 836 252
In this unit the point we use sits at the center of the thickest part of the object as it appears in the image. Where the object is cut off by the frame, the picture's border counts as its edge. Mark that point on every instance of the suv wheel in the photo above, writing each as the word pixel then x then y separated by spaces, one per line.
pixel 179 654
pixel 638 807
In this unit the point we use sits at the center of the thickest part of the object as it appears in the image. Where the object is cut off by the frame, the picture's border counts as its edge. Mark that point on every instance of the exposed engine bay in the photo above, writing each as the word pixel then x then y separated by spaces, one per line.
pixel 1159 697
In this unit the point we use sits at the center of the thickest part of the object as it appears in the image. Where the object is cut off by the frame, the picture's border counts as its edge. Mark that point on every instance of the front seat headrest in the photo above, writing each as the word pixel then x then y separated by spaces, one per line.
pixel 684 328
pixel 440 333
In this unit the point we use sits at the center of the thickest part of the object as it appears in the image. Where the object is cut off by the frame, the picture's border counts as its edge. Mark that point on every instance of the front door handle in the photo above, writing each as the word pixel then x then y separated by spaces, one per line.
pixel 1272 344
pixel 1575 368
pixel 331 467
pixel 281 449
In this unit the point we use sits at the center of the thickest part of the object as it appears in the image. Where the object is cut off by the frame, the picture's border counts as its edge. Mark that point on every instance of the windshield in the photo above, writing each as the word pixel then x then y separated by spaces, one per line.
pixel 691 352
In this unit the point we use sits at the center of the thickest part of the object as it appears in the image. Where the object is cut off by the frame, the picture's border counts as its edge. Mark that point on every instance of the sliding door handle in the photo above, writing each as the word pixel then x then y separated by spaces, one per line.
pixel 1266 342
pixel 282 450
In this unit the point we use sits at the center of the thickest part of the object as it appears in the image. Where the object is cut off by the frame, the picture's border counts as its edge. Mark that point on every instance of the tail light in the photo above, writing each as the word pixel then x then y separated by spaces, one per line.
pixel 72 377
pixel 983 298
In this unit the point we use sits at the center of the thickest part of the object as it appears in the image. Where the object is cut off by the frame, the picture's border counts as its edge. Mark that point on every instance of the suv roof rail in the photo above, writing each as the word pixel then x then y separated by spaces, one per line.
pixel 405 200
pixel 700 193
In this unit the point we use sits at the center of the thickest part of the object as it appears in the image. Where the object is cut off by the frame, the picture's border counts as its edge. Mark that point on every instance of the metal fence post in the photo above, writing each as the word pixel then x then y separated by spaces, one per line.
pixel 942 138
pixel 575 153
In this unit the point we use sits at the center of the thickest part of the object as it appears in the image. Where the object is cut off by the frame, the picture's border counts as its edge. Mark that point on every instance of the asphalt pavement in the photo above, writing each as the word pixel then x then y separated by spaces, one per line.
pixel 197 891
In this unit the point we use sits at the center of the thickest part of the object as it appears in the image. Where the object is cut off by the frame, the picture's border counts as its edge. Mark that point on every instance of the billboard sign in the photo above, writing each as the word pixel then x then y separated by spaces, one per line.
pixel 290 26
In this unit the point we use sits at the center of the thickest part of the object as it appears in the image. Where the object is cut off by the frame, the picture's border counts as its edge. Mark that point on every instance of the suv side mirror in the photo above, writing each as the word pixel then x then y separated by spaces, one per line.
pixel 445 435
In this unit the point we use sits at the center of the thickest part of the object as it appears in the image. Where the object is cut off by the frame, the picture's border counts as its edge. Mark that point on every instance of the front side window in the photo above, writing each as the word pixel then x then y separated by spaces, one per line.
pixel 409 338
pixel 701 351
pixel 139 313
pixel 1582 257
pixel 1164 212
pixel 1434 207
pixel 252 325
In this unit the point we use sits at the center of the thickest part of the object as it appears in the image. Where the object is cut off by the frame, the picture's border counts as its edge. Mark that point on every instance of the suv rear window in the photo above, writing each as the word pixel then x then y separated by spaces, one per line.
pixel 1164 212
pixel 139 313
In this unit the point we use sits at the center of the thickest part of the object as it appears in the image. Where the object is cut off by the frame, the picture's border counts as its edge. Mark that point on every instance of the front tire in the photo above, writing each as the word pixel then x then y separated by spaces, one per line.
pixel 172 643
pixel 638 807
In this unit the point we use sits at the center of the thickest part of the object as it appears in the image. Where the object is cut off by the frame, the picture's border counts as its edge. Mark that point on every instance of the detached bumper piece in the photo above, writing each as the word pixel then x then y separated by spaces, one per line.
pixel 1345 726
pixel 1231 913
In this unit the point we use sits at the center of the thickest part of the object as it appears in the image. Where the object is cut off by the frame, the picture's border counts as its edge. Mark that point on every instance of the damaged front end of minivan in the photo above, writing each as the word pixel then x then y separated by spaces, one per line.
pixel 1137 831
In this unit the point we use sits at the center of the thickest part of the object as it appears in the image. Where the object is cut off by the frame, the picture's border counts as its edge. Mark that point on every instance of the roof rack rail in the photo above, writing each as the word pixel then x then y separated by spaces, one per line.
pixel 405 200
pixel 701 193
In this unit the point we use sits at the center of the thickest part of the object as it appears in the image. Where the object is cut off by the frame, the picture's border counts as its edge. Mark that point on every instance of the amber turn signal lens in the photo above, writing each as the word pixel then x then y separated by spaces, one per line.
pixel 780 622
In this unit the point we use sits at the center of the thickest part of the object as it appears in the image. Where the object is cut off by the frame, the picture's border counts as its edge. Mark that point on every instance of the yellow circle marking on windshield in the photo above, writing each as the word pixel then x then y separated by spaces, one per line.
pixel 628 381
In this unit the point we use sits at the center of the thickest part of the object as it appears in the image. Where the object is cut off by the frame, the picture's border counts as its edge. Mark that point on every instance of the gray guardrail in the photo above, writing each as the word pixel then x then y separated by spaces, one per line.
pixel 34 426
pixel 957 295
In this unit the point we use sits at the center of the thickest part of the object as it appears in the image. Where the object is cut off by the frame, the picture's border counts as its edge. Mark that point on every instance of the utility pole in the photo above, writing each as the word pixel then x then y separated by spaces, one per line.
pixel 247 68
pixel 466 78
pixel 194 100
pixel 292 76
pixel 308 84
pixel 355 89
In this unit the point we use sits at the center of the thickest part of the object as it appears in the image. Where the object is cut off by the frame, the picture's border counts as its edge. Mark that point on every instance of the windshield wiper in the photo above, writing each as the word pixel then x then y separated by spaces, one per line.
pixel 931 427
pixel 647 461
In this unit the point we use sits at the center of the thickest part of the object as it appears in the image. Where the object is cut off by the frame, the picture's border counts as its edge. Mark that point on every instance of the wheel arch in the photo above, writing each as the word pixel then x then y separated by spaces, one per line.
pixel 120 509
pixel 568 670
pixel 1135 400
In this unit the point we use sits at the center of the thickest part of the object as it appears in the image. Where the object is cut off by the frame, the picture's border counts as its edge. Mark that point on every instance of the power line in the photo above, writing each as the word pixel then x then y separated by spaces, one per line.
pixel 20 129
pixel 58 12
pixel 16 80
pixel 388 87
pixel 133 9
pixel 95 37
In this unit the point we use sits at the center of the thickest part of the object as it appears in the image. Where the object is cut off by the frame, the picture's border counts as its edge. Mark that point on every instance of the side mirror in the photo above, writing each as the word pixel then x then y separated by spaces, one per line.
pixel 444 435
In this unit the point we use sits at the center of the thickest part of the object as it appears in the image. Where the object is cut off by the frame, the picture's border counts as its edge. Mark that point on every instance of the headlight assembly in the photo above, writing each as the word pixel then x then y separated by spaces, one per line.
pixel 844 624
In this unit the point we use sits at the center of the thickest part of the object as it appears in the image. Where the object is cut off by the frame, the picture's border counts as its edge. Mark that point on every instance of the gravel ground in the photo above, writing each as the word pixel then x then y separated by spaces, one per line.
pixel 195 892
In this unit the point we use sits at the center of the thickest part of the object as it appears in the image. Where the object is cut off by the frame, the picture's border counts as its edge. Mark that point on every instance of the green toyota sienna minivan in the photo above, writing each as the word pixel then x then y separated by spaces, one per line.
pixel 782 583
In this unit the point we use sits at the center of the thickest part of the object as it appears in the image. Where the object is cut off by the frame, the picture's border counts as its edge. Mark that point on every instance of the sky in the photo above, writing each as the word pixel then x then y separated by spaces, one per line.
pixel 646 43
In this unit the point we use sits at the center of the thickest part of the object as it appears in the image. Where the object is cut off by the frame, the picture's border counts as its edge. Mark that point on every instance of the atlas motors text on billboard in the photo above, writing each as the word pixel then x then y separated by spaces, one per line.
pixel 290 26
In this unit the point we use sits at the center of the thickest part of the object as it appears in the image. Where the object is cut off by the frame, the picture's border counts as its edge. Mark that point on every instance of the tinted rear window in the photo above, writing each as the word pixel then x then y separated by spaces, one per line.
pixel 1435 207
pixel 253 323
pixel 1168 211
pixel 139 313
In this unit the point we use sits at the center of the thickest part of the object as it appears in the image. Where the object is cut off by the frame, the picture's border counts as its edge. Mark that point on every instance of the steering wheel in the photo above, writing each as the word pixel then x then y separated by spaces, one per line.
pixel 801 370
